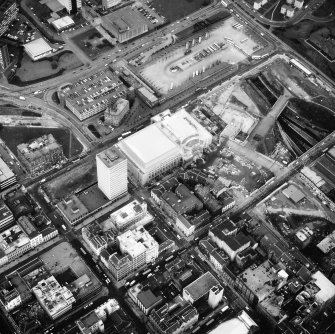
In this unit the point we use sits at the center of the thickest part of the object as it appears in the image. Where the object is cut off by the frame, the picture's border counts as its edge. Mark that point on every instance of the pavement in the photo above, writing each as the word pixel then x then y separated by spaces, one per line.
pixel 284 175
pixel 265 124
pixel 258 158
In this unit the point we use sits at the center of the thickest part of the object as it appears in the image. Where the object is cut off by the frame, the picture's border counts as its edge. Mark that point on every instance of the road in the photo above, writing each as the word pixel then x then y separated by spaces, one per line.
pixel 265 124
pixel 258 158
pixel 284 175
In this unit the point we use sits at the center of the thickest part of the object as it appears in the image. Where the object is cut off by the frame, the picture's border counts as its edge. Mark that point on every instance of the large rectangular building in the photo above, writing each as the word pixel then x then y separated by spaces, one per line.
pixel 174 317
pixel 13 243
pixel 150 152
pixel 140 245
pixel 200 287
pixel 110 3
pixel 163 145
pixel 8 12
pixel 129 215
pixel 54 298
pixel 112 174
pixel 37 49
pixel 7 177
pixel 41 154
pixel 92 94
pixel 4 57
pixel 6 216
pixel 125 24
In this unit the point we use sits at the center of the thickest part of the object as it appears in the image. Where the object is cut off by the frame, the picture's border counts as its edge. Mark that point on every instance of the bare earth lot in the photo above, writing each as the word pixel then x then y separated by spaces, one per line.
pixel 72 181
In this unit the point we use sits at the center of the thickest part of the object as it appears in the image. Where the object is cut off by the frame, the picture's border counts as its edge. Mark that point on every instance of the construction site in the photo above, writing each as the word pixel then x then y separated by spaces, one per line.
pixel 228 43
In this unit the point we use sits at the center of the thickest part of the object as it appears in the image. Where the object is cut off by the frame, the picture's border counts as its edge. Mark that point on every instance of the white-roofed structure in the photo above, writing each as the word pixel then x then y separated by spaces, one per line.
pixel 162 145
pixel 7 177
pixel 184 130
pixel 63 23
pixel 131 215
pixel 54 298
pixel 200 287
pixel 327 244
pixel 243 324
pixel 38 49
pixel 149 152
pixel 327 288
pixel 140 245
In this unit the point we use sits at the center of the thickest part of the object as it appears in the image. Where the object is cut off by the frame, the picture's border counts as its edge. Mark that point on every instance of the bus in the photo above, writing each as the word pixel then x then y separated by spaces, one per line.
pixel 209 322
pixel 125 134
pixel 169 258
pixel 83 251
pixel 146 272
pixel 224 309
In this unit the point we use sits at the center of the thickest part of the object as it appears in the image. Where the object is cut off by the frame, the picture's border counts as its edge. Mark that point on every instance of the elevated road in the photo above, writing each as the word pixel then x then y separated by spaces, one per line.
pixel 299 15
pixel 284 175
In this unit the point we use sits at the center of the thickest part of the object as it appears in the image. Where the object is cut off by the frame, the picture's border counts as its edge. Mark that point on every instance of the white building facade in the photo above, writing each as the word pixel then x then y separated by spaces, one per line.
pixel 112 174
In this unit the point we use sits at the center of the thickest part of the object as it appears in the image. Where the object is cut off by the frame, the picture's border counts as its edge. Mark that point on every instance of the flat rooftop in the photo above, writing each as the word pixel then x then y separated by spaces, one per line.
pixel 63 22
pixel 127 212
pixel 233 326
pixel 92 198
pixel 201 286
pixel 4 212
pixel 11 239
pixel 5 172
pixel 255 280
pixel 136 241
pixel 37 47
pixel 125 19
pixel 181 125
pixel 72 208
pixel 93 91
pixel 148 146
pixel 293 193
pixel 110 157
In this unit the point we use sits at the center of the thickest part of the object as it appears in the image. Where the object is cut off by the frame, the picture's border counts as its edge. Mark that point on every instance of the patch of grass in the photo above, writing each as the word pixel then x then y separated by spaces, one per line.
pixel 29 72
pixel 72 181
pixel 92 43
pixel 326 9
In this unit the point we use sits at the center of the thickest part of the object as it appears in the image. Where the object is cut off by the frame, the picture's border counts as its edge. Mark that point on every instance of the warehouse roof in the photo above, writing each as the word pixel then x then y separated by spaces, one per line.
pixel 148 146
pixel 201 286
pixel 37 47
pixel 63 23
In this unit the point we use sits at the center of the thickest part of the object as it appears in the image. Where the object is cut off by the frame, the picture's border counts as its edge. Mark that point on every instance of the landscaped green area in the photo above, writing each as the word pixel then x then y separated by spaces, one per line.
pixel 296 36
pixel 92 43
pixel 29 71
pixel 14 136
pixel 326 9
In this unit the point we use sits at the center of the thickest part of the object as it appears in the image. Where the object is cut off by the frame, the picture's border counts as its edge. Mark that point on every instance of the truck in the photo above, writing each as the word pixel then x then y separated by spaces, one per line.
pixel 22 98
